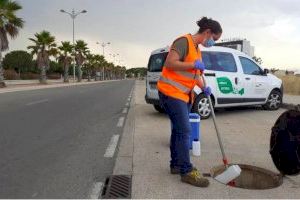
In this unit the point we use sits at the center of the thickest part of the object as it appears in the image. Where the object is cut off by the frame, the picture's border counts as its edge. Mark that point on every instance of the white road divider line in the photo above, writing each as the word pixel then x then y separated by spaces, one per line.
pixel 129 99
pixel 34 194
pixel 121 122
pixel 125 110
pixel 127 104
pixel 96 190
pixel 37 102
pixel 110 151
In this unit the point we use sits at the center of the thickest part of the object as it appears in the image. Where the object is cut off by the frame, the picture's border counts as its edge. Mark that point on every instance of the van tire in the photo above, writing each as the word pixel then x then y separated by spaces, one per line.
pixel 274 101
pixel 200 101
pixel 159 108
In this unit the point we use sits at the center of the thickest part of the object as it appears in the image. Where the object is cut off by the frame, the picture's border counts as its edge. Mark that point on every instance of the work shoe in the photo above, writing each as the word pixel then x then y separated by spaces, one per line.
pixel 176 170
pixel 195 178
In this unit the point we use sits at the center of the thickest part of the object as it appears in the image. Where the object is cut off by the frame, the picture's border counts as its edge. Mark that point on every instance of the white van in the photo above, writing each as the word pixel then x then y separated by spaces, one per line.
pixel 235 80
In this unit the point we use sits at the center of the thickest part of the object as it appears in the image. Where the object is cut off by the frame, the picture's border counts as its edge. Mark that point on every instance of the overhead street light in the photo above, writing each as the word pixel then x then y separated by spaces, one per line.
pixel 103 44
pixel 114 56
pixel 73 14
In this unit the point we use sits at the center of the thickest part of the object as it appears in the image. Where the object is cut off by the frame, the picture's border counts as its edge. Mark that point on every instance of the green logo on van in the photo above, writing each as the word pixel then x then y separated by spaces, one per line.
pixel 226 87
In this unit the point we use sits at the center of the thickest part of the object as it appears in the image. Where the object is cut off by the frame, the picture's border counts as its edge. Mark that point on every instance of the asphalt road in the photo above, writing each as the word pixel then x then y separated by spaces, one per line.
pixel 53 141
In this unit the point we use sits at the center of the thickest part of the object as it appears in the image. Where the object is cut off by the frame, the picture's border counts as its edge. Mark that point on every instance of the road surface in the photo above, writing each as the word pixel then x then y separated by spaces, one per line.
pixel 60 142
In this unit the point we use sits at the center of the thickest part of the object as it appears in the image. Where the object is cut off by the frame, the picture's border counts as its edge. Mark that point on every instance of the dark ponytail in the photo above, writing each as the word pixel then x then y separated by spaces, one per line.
pixel 207 23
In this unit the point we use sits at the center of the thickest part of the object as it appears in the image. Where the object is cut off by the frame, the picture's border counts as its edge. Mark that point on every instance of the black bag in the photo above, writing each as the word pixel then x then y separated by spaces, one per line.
pixel 285 143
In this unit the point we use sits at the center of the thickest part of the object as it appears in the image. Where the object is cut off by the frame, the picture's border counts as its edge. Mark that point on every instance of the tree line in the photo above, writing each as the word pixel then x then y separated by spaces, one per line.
pixel 44 52
pixel 136 72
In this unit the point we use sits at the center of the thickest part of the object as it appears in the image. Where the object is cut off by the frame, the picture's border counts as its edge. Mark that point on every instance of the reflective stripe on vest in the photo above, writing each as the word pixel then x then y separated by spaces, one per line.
pixel 179 83
pixel 186 74
pixel 175 84
pixel 198 76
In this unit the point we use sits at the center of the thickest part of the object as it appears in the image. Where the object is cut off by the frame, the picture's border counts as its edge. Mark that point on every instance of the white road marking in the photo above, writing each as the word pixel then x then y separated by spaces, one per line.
pixel 34 194
pixel 125 110
pixel 37 102
pixel 96 190
pixel 121 121
pixel 110 151
pixel 127 104
pixel 129 99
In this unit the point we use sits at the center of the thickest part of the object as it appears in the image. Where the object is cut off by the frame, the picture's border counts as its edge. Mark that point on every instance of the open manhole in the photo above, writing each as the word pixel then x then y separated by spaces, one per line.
pixel 285 153
pixel 252 177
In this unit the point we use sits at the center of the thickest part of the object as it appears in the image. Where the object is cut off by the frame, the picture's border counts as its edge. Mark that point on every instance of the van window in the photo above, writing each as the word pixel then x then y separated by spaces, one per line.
pixel 219 61
pixel 156 62
pixel 249 67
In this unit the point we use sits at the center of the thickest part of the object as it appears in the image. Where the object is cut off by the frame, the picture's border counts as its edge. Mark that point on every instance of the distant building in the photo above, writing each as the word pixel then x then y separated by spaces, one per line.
pixel 242 45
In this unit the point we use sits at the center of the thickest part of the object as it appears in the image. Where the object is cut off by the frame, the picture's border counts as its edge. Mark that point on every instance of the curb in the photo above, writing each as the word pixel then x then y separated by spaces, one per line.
pixel 124 158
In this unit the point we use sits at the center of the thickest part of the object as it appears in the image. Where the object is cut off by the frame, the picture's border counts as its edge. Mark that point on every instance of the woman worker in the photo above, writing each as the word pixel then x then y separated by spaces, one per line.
pixel 182 71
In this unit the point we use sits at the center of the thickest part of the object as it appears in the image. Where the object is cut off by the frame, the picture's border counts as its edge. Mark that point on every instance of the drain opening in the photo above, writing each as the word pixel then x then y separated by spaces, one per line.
pixel 252 177
pixel 117 187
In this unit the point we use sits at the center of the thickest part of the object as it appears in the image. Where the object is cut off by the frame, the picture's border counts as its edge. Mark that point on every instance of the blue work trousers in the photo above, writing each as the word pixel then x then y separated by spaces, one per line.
pixel 178 112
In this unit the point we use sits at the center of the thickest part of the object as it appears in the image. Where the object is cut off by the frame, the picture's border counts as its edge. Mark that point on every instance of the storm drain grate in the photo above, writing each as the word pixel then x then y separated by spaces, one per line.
pixel 117 187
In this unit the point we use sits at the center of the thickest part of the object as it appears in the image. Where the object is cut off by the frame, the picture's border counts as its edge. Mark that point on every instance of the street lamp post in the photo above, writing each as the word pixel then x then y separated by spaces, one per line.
pixel 114 56
pixel 73 15
pixel 104 44
pixel 120 61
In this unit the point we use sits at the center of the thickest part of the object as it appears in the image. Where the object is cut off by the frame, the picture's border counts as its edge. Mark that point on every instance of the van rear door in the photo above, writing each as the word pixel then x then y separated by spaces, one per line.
pixel 155 64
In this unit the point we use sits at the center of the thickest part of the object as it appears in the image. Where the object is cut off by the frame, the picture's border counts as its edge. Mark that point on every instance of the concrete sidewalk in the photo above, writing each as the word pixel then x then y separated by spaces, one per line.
pixel 15 86
pixel 246 135
pixel 291 99
pixel 11 83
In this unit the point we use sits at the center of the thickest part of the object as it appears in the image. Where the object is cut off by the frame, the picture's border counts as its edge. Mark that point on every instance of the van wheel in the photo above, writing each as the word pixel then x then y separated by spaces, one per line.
pixel 274 101
pixel 201 106
pixel 159 108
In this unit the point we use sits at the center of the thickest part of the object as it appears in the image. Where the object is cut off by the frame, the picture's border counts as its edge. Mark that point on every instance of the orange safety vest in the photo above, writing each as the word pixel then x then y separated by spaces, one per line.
pixel 179 84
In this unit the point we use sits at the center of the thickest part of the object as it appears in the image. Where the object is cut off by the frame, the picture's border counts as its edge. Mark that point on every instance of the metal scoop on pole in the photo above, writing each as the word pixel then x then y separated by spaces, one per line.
pixel 233 171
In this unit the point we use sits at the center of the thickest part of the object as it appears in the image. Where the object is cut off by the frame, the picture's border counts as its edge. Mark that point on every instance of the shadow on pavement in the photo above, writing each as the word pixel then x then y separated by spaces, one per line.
pixel 221 111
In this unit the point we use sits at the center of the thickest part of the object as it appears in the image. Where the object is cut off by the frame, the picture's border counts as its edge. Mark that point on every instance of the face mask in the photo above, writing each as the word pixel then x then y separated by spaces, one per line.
pixel 209 43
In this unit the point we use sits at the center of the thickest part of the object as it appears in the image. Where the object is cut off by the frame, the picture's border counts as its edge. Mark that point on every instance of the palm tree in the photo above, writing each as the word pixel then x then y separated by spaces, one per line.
pixel 123 72
pixel 44 47
pixel 81 50
pixel 90 65
pixel 109 69
pixel 10 25
pixel 104 68
pixel 65 58
pixel 116 72
pixel 100 62
pixel 119 72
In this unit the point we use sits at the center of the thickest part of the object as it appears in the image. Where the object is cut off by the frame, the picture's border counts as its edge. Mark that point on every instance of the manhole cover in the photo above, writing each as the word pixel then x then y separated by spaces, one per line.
pixel 117 187
pixel 252 177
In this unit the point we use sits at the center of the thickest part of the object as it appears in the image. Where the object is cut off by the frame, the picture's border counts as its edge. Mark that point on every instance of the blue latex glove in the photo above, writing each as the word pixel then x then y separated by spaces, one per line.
pixel 207 91
pixel 199 65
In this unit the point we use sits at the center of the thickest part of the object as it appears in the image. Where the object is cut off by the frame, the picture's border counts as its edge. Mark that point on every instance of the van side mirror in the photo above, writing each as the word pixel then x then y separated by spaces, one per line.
pixel 266 71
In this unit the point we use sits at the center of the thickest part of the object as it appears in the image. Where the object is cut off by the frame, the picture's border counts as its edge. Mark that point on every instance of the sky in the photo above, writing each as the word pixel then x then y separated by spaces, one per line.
pixel 136 27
